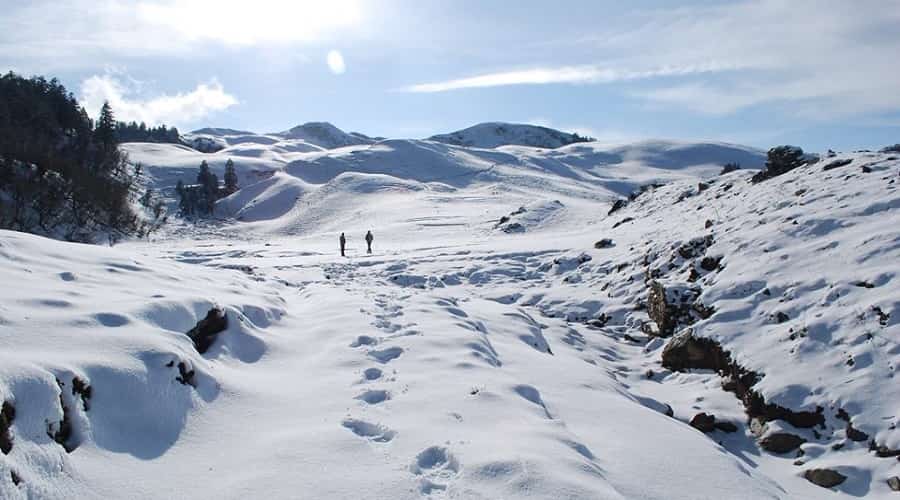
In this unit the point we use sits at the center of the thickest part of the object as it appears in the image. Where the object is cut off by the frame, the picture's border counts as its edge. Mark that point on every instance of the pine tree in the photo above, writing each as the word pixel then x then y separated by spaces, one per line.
pixel 105 132
pixel 203 174
pixel 231 179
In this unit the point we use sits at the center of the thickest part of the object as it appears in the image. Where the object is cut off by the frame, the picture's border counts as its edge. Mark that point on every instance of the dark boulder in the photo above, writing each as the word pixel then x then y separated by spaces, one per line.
pixel 704 422
pixel 685 351
pixel 204 333
pixel 710 263
pixel 781 442
pixel 894 483
pixel 604 243
pixel 826 478
pixel 837 164
pixel 7 415
pixel 728 427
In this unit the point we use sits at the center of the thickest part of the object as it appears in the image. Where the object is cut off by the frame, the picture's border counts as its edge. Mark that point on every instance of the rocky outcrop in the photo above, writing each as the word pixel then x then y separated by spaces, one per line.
pixel 204 333
pixel 7 415
pixel 826 478
pixel 673 306
pixel 686 351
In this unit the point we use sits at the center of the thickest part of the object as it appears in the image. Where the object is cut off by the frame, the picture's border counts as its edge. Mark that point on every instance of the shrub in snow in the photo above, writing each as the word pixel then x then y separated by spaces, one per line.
pixel 729 167
pixel 780 160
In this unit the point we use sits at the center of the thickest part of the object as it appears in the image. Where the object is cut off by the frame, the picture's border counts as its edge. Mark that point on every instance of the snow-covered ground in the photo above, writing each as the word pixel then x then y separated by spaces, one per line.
pixel 486 349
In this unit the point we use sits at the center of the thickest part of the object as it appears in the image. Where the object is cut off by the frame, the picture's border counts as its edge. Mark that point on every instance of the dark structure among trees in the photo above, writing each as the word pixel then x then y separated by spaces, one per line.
pixel 60 174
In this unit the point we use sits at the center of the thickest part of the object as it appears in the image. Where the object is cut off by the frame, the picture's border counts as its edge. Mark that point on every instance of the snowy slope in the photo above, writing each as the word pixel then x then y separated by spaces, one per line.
pixel 494 134
pixel 487 349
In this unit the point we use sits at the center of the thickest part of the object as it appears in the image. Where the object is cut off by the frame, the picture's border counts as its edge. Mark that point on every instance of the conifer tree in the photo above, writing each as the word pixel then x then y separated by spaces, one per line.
pixel 231 179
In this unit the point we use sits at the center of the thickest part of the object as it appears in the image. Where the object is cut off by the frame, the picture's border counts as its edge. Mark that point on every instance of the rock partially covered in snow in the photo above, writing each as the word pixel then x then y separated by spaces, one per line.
pixel 826 478
pixel 204 333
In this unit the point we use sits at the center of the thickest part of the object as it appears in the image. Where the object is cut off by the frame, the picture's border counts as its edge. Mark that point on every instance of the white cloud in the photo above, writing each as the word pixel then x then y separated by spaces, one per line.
pixel 566 74
pixel 180 108
pixel 241 22
pixel 335 62
pixel 76 33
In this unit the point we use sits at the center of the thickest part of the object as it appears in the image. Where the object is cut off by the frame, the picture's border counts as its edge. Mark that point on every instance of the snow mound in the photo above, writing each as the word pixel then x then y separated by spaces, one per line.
pixel 95 361
pixel 493 134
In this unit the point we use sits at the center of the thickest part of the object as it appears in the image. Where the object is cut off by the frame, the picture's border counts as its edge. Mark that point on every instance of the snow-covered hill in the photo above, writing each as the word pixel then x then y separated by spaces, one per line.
pixel 589 321
pixel 324 135
pixel 494 134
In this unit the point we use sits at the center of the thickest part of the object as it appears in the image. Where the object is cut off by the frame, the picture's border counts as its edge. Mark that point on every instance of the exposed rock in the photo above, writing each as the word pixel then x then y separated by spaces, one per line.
pixel 599 322
pixel 855 434
pixel 704 422
pixel 882 451
pixel 826 478
pixel 702 186
pixel 674 306
pixel 515 227
pixel 61 432
pixel 781 442
pixel 669 411
pixel 623 221
pixel 618 205
pixel 686 351
pixel 710 263
pixel 186 374
pixel 837 163
pixel 604 243
pixel 728 427
pixel 204 333
pixel 82 389
pixel 708 224
pixel 780 317
pixel 894 483
pixel 15 477
pixel 7 415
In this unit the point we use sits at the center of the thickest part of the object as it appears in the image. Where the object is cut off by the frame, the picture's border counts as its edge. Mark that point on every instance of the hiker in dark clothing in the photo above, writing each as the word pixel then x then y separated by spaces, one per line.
pixel 343 244
pixel 369 239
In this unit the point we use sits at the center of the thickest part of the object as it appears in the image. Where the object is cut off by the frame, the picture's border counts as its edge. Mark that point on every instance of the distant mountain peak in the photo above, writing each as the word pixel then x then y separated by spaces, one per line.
pixel 495 134
pixel 325 135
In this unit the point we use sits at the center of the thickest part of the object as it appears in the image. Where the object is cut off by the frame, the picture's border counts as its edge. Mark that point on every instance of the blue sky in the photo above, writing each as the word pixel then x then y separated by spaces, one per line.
pixel 816 73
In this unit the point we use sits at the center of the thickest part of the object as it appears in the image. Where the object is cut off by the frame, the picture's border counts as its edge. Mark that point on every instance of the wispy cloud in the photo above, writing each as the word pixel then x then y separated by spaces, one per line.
pixel 183 107
pixel 567 74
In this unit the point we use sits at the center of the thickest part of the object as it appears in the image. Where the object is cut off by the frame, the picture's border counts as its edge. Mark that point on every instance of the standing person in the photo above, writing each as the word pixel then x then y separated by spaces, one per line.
pixel 343 244
pixel 369 239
